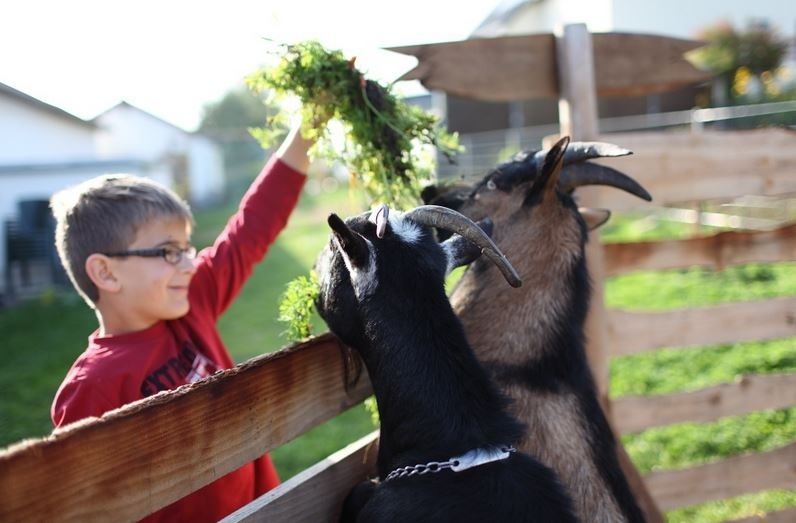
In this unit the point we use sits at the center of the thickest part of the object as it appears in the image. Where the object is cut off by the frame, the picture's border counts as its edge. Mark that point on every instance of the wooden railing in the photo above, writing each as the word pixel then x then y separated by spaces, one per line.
pixel 141 457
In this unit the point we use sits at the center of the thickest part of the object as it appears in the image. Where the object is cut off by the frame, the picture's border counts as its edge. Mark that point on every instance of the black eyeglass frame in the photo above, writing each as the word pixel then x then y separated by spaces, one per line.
pixel 172 255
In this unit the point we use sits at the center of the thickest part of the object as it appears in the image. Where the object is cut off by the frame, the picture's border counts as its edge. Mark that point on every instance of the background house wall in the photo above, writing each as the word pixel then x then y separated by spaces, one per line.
pixel 680 18
pixel 32 133
pixel 43 149
pixel 129 132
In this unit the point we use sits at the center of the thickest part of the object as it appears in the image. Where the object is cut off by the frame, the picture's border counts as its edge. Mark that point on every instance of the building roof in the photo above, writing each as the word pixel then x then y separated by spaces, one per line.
pixel 495 24
pixel 124 104
pixel 38 104
pixel 120 165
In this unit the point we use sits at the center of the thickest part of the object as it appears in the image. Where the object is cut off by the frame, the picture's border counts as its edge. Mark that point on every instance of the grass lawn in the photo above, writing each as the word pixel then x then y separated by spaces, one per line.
pixel 42 338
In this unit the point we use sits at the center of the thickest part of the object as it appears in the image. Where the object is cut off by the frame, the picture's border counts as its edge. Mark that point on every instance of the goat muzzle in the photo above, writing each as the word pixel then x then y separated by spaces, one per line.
pixel 450 220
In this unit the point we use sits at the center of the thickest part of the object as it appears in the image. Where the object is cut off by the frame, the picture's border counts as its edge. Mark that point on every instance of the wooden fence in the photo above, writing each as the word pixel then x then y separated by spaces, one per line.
pixel 136 459
pixel 146 455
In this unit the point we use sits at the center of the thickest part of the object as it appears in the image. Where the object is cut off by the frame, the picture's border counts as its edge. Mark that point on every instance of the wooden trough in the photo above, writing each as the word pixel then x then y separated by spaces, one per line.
pixel 139 458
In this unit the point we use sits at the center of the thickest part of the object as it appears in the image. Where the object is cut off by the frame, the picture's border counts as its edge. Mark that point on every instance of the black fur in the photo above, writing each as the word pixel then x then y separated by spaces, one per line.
pixel 435 400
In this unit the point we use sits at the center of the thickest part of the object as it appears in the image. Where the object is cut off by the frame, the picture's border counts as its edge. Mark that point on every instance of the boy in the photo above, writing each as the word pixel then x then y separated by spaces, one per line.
pixel 124 241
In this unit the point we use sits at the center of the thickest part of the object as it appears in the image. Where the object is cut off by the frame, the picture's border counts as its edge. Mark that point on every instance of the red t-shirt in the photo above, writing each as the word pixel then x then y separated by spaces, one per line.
pixel 116 370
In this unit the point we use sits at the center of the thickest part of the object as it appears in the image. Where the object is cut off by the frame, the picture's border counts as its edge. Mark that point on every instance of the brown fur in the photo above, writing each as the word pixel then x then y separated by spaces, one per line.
pixel 557 437
pixel 505 326
pixel 478 297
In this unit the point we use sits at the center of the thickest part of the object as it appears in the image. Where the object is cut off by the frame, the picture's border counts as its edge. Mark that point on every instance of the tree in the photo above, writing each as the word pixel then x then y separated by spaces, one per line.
pixel 737 56
pixel 228 121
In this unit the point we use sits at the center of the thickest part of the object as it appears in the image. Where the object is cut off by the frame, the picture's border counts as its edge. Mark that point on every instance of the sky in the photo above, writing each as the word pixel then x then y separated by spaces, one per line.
pixel 171 57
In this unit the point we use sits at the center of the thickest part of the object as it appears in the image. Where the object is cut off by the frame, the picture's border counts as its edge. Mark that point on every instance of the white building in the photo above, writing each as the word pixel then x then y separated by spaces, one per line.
pixel 44 149
pixel 678 18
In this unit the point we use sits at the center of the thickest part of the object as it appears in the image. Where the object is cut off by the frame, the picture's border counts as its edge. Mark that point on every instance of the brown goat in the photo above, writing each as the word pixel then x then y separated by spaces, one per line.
pixel 531 339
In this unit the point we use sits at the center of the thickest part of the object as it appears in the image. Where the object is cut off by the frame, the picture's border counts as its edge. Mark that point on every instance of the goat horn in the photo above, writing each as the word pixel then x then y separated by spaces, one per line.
pixel 379 218
pixel 586 173
pixel 581 151
pixel 450 220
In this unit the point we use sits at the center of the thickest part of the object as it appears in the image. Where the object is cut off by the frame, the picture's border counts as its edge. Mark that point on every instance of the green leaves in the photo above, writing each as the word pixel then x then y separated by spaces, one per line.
pixel 296 306
pixel 383 135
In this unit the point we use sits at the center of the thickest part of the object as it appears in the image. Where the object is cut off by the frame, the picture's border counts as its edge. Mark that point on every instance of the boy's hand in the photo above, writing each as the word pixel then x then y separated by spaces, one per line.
pixel 294 149
pixel 322 112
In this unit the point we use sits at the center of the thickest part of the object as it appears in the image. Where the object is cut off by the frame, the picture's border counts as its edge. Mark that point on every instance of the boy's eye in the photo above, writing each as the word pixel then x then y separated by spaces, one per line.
pixel 174 255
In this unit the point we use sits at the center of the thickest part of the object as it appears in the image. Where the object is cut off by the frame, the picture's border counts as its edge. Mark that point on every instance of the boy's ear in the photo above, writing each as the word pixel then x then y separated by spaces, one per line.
pixel 100 270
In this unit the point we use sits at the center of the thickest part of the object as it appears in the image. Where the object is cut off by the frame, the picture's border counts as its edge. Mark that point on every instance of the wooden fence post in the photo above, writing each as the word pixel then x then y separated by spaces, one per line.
pixel 577 113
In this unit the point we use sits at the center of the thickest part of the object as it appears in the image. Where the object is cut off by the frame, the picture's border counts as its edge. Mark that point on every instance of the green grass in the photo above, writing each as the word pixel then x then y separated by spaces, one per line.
pixel 735 508
pixel 671 370
pixel 43 337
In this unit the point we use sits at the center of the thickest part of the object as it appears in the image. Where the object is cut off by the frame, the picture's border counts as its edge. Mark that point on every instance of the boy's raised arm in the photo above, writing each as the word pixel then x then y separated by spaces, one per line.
pixel 263 213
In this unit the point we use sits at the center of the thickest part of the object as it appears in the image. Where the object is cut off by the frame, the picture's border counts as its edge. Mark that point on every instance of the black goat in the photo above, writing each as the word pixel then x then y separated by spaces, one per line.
pixel 531 340
pixel 445 445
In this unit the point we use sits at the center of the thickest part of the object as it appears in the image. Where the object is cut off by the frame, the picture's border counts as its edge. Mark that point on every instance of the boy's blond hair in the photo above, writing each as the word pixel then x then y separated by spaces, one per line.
pixel 103 215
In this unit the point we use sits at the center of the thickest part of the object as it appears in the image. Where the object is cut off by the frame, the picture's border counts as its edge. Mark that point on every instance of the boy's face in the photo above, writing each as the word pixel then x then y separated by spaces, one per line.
pixel 153 289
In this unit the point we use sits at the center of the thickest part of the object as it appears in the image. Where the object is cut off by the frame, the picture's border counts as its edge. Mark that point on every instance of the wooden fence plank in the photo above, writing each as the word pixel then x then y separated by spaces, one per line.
pixel 748 394
pixel 632 332
pixel 718 251
pixel 727 478
pixel 782 516
pixel 316 494
pixel 139 458
pixel 678 166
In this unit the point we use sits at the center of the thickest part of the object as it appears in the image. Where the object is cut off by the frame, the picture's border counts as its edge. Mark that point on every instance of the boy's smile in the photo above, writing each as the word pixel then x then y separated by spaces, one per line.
pixel 151 288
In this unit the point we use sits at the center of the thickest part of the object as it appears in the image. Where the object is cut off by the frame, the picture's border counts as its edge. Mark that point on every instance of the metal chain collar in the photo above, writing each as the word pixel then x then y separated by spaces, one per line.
pixel 473 458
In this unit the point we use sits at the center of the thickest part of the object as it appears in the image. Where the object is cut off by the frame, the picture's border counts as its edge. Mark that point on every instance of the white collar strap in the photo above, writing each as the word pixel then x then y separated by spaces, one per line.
pixel 468 460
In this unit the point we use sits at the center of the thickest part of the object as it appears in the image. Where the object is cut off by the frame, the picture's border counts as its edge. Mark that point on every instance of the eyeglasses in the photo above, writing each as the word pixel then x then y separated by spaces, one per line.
pixel 173 255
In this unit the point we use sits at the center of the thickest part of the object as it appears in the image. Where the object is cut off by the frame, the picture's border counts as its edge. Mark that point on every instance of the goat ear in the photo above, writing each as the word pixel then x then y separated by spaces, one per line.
pixel 353 244
pixel 428 193
pixel 544 186
pixel 461 251
pixel 594 218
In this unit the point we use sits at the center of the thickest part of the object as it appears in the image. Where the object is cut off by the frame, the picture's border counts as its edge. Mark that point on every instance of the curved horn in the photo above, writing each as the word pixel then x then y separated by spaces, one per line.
pixel 444 218
pixel 586 173
pixel 582 151
pixel 379 217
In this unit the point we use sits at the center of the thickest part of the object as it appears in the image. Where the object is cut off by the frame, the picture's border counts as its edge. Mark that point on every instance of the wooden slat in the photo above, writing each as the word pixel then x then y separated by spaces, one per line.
pixel 148 454
pixel 727 478
pixel 631 332
pixel 523 67
pixel 316 494
pixel 748 394
pixel 679 166
pixel 782 516
pixel 718 251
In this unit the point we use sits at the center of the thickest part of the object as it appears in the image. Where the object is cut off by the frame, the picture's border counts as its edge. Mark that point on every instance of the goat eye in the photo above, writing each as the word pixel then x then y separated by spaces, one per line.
pixel 491 185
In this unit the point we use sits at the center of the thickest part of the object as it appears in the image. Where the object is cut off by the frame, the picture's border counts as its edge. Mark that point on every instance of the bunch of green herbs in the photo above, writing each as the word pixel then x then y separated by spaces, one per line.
pixel 384 136
pixel 296 306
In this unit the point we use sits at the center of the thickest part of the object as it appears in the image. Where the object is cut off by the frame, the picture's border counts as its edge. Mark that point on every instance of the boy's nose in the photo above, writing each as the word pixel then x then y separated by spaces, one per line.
pixel 188 264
